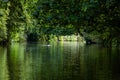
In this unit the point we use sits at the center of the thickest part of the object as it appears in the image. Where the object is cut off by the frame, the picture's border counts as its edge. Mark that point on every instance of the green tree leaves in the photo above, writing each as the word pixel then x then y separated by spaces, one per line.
pixel 60 17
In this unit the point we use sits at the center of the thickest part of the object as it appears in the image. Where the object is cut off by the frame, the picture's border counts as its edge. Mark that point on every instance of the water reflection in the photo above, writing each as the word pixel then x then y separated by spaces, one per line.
pixel 3 64
pixel 15 62
pixel 60 61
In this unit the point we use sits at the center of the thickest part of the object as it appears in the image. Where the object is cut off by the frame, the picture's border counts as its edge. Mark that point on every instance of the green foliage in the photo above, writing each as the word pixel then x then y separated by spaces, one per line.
pixel 42 18
pixel 58 31
pixel 3 18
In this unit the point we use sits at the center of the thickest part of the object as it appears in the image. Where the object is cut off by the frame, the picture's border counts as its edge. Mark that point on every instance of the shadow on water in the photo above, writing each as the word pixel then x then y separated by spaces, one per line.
pixel 59 61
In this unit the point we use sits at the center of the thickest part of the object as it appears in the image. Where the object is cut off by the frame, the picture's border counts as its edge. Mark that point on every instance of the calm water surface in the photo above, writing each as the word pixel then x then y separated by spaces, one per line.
pixel 59 61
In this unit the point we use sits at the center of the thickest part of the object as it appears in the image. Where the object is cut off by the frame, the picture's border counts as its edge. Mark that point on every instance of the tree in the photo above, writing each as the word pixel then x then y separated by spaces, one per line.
pixel 3 17
pixel 89 16
pixel 15 18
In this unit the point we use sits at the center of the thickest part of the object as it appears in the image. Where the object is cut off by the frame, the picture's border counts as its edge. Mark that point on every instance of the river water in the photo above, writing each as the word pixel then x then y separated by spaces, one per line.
pixel 59 61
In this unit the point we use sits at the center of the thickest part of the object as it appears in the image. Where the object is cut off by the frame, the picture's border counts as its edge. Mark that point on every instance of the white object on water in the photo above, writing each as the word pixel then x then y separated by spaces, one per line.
pixel 46 45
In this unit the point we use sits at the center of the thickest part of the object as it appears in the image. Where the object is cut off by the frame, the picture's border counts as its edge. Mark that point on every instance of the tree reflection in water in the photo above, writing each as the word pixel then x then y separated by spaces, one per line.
pixel 60 61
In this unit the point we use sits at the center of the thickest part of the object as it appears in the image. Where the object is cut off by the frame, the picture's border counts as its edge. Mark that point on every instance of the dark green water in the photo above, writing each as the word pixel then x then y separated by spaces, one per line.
pixel 59 61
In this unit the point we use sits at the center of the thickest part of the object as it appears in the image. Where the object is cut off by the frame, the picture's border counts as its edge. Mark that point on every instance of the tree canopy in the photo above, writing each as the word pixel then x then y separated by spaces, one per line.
pixel 60 17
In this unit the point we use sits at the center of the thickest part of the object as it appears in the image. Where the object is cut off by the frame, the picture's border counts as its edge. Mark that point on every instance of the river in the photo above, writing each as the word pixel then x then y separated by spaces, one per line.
pixel 59 61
